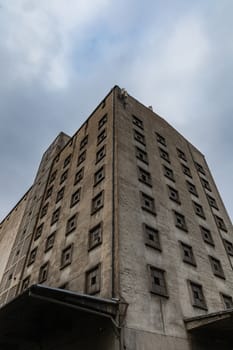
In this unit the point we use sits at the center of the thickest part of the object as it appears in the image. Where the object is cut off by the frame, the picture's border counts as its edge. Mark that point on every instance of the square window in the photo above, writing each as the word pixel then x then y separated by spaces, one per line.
pixel 199 168
pixel 64 176
pixel 147 203
pixel 198 299
pixel 84 142
pixel 216 267
pixel 102 121
pixel 67 161
pixel 39 231
pixel 95 236
pixel 151 237
pixel 161 139
pixel 187 254
pixel 100 154
pixel 71 224
pixel 227 301
pixel 60 194
pixel 192 188
pixel 99 176
pixel 206 235
pixel 139 137
pixel 181 154
pixel 142 155
pixel 97 202
pixel 32 256
pixel 229 247
pixel 49 192
pixel 205 184
pixel 75 198
pixel 168 173
pixel 43 273
pixel 186 170
pixel 138 122
pixel 173 194
pixel 199 210
pixel 158 282
pixel 44 210
pixel 81 157
pixel 101 136
pixel 164 155
pixel 66 256
pixel 50 241
pixel 55 216
pixel 25 284
pixel 212 202
pixel 180 221
pixel 144 176
pixel 79 176
pixel 93 280
pixel 220 223
pixel 52 176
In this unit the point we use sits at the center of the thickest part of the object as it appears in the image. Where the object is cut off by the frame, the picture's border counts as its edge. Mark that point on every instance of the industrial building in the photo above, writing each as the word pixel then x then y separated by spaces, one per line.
pixel 121 243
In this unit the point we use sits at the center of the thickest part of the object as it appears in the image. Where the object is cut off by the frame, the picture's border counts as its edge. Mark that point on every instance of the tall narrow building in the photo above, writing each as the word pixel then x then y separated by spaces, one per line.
pixel 121 243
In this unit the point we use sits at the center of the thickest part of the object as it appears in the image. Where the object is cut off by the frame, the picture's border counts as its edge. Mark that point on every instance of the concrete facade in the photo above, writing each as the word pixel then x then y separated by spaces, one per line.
pixel 126 208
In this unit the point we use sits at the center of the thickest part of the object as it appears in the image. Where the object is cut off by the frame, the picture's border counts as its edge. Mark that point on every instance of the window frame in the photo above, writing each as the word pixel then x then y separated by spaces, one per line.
pixel 66 262
pixel 94 208
pixel 92 243
pixel 144 176
pixel 218 272
pixel 145 196
pixel 209 240
pixel 43 273
pixel 160 288
pixel 196 287
pixel 190 259
pixel 180 226
pixel 97 276
pixel 71 224
pixel 153 243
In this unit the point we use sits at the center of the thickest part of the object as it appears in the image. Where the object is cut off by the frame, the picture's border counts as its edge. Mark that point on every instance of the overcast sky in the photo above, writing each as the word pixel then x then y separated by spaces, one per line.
pixel 59 58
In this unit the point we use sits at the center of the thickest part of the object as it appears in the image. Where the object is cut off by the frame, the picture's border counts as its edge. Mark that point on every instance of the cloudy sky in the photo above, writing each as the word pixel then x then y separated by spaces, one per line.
pixel 59 58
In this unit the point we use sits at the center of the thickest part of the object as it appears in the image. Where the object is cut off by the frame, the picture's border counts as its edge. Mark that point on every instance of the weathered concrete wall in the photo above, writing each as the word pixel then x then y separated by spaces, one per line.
pixel 8 231
pixel 17 252
pixel 147 312
pixel 83 259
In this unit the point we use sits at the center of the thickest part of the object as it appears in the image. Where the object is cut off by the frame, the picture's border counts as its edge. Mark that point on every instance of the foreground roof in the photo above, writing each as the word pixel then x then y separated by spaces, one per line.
pixel 40 310
pixel 216 324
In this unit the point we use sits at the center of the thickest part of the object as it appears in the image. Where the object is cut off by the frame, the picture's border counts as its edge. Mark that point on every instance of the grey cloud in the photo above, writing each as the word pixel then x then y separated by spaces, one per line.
pixel 169 54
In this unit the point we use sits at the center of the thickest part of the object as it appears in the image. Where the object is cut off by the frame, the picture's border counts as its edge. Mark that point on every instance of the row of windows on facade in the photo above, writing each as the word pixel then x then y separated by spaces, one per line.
pixel 180 222
pixel 95 234
pixel 141 138
pixel 82 156
pixel 145 177
pixel 94 239
pixel 92 280
pixel 148 202
pixel 157 282
pixel 75 197
pixel 152 235
pixel 152 239
pixel 99 155
pixel 142 155
pixel 97 204
pixel 159 287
